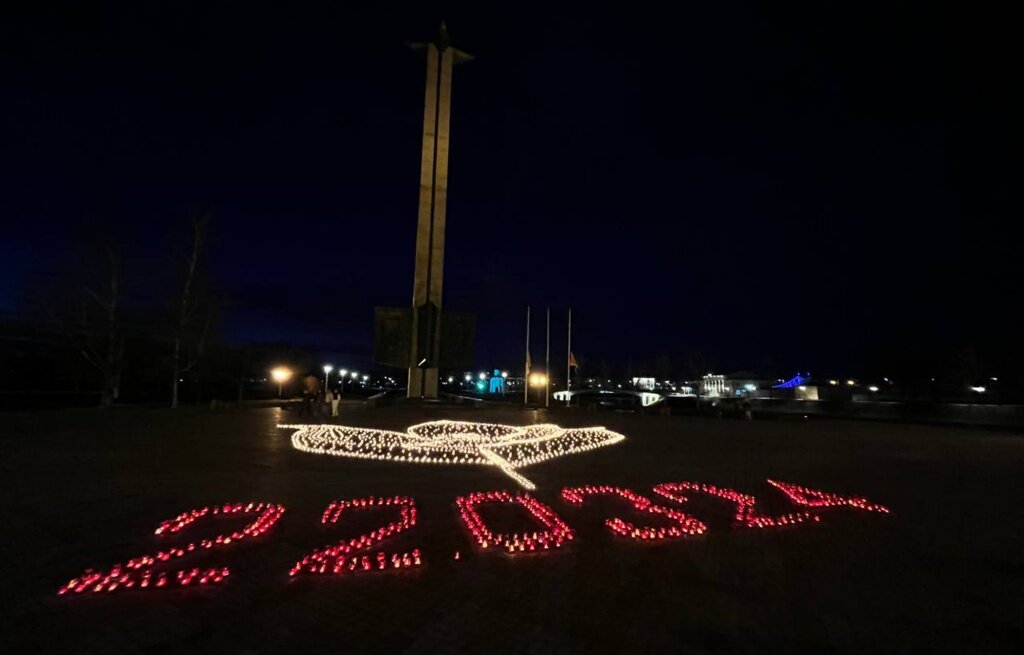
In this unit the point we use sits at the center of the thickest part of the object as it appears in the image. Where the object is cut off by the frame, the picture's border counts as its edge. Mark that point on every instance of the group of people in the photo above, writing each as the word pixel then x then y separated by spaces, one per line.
pixel 316 401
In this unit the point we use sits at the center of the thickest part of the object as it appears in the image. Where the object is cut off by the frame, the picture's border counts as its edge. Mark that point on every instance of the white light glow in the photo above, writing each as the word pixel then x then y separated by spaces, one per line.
pixel 506 447
pixel 647 398
pixel 978 389
pixel 281 374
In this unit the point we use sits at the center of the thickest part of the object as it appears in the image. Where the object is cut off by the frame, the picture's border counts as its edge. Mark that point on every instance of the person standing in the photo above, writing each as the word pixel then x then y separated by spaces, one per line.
pixel 335 400
pixel 320 403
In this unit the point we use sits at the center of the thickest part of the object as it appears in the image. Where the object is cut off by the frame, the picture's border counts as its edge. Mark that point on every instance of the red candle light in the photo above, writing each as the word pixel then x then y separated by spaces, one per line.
pixel 556 533
pixel 686 525
pixel 332 558
pixel 138 571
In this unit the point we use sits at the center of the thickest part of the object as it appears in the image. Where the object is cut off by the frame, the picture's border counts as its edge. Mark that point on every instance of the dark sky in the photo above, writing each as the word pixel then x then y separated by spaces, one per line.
pixel 810 185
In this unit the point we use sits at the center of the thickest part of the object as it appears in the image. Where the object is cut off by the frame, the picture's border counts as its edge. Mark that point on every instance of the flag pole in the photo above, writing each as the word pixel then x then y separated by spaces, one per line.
pixel 568 363
pixel 547 365
pixel 526 376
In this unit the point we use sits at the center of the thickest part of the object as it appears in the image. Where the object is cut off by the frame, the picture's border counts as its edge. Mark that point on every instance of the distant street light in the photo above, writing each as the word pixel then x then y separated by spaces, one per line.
pixel 327 371
pixel 281 375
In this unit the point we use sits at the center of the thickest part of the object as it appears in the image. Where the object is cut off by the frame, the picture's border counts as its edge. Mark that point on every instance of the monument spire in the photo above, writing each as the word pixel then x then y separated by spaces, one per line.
pixel 430 228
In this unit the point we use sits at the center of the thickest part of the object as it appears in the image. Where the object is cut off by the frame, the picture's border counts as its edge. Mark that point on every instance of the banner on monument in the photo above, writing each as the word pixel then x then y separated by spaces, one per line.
pixel 392 337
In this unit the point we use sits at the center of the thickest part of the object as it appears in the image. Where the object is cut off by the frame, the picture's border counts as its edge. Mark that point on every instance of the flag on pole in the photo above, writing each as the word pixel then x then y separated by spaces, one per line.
pixel 572 360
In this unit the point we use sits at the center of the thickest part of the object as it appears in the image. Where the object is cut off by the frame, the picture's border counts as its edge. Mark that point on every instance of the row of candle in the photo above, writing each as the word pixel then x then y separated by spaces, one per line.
pixel 555 534
pixel 817 498
pixel 138 571
pixel 343 557
pixel 745 516
pixel 686 525
pixel 339 557
pixel 506 447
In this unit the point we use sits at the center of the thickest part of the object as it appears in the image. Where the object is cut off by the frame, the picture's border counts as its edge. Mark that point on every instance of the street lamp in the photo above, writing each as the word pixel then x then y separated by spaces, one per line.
pixel 281 375
pixel 327 371
pixel 538 380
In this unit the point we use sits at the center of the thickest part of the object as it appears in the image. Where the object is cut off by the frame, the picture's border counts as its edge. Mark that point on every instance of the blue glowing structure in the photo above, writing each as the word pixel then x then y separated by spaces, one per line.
pixel 795 381
pixel 497 383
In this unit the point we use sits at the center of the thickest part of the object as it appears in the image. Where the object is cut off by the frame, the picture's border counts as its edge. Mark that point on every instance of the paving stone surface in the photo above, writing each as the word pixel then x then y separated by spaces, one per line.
pixel 943 573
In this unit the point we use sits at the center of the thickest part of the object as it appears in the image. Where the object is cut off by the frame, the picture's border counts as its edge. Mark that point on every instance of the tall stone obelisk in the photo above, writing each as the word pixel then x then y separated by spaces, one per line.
pixel 429 279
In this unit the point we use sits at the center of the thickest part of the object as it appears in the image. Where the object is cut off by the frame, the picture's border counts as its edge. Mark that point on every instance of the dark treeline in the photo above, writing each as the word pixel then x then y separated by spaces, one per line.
pixel 112 326
pixel 128 320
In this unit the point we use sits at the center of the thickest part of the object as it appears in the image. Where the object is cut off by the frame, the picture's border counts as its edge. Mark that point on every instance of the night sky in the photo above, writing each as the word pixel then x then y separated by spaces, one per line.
pixel 811 186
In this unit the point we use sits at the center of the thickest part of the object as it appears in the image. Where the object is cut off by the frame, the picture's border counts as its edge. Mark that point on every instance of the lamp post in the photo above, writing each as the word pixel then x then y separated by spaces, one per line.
pixel 341 376
pixel 327 371
pixel 280 375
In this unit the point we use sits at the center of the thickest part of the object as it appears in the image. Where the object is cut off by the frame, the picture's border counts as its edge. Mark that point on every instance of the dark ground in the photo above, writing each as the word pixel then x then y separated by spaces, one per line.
pixel 944 572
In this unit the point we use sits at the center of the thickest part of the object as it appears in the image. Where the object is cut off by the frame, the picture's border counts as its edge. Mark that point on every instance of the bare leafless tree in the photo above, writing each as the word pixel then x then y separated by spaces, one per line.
pixel 191 322
pixel 86 305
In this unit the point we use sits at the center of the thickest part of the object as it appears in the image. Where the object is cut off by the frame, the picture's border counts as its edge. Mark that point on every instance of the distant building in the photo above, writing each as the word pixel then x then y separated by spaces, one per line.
pixel 742 384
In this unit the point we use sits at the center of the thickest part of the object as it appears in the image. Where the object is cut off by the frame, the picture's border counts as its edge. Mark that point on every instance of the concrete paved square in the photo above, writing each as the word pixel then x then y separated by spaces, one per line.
pixel 941 573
